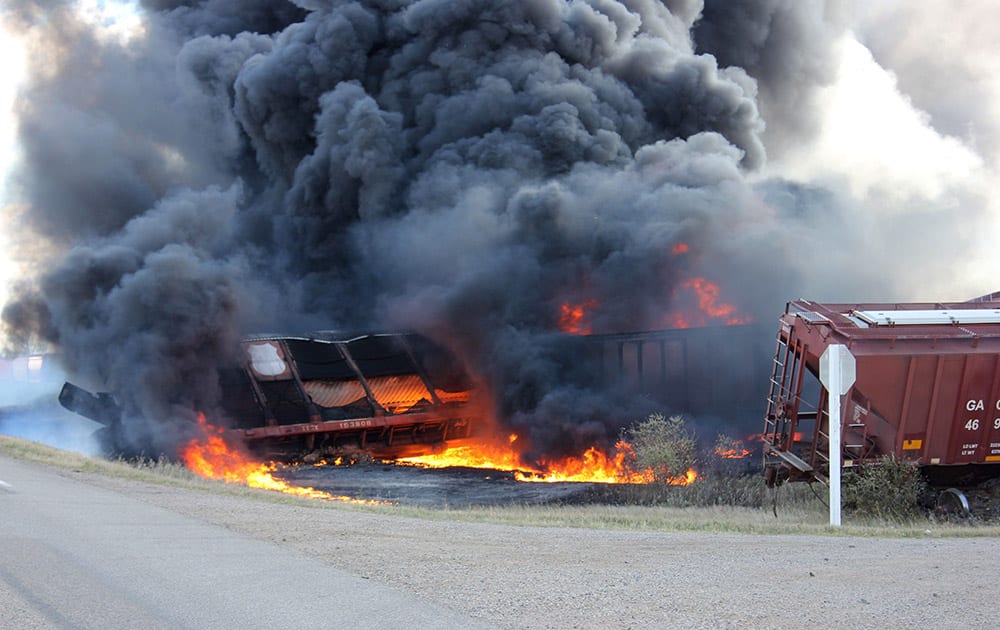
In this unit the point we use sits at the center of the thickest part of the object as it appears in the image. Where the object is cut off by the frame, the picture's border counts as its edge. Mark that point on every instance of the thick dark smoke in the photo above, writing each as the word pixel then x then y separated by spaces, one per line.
pixel 786 45
pixel 458 167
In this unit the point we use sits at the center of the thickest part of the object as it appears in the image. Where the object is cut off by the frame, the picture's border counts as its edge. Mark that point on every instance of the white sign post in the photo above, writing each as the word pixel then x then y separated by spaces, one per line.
pixel 837 374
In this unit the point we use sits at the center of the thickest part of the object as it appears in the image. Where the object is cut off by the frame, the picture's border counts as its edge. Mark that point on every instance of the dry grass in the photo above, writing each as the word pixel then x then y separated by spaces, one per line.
pixel 160 472
pixel 798 509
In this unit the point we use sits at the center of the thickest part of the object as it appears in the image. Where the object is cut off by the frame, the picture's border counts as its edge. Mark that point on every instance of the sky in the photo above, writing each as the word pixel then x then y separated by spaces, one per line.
pixel 898 152
pixel 11 73
pixel 910 126
pixel 117 19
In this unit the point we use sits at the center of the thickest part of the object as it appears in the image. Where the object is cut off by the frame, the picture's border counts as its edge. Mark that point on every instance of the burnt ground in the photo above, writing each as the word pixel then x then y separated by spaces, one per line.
pixel 459 487
pixel 454 487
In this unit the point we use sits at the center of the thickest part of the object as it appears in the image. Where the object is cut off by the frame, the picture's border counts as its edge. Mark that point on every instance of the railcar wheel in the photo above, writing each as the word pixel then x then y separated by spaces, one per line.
pixel 953 502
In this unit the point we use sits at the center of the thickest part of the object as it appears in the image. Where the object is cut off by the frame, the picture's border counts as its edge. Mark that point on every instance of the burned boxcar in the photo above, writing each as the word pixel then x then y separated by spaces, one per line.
pixel 329 393
pixel 927 389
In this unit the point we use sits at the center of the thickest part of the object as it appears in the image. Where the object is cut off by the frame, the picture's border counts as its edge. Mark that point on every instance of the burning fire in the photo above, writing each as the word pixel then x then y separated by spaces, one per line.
pixel 594 466
pixel 711 309
pixel 213 458
pixel 573 318
pixel 729 448
pixel 798 436
pixel 733 453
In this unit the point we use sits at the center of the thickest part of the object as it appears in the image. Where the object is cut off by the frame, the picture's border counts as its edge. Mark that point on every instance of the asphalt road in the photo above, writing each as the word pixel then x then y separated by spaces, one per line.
pixel 76 556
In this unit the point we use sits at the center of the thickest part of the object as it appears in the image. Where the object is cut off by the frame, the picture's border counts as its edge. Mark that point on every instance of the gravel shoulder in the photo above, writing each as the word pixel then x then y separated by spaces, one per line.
pixel 549 577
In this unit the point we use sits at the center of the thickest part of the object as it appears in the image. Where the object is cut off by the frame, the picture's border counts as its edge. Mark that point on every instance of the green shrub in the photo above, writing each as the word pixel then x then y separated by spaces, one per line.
pixel 662 446
pixel 887 489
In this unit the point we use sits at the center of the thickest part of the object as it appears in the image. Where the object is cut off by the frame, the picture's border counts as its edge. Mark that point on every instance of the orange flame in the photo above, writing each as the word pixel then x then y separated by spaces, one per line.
pixel 467 457
pixel 679 248
pixel 708 301
pixel 594 466
pixel 798 436
pixel 733 453
pixel 213 458
pixel 729 448
pixel 711 309
pixel 573 318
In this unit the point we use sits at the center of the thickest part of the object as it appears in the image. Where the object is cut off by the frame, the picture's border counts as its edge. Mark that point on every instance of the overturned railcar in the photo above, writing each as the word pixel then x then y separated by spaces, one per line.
pixel 927 389
pixel 387 395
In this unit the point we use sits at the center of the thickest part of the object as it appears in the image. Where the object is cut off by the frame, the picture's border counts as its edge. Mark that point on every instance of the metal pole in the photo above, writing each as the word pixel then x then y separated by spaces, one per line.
pixel 834 388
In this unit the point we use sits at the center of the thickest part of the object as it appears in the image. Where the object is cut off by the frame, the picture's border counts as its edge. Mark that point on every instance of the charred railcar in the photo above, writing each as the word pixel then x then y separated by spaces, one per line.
pixel 328 393
pixel 711 375
pixel 927 389
pixel 383 394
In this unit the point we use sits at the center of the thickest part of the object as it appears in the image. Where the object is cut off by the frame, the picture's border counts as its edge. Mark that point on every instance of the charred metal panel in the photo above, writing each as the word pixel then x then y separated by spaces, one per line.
pixel 318 361
pixel 380 355
pixel 399 394
pixel 99 407
pixel 329 393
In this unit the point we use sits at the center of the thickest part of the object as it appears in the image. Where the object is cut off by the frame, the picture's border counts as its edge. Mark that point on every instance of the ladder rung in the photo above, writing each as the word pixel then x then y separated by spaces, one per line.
pixel 793 459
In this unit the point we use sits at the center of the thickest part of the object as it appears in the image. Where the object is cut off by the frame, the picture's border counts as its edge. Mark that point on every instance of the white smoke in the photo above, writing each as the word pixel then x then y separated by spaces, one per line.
pixel 29 387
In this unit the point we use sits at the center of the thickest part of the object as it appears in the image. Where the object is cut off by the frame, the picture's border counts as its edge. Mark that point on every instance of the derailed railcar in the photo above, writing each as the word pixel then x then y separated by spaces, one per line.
pixel 329 393
pixel 706 373
pixel 927 389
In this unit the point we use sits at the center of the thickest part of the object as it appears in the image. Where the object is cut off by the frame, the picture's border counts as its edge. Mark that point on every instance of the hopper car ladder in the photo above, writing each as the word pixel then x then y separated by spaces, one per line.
pixel 794 436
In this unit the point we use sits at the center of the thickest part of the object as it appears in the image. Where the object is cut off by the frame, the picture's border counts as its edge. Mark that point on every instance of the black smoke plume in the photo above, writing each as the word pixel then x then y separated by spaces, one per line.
pixel 462 168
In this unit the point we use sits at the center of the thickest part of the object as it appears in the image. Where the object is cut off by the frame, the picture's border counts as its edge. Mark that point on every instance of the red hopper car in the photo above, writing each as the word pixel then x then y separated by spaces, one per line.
pixel 927 389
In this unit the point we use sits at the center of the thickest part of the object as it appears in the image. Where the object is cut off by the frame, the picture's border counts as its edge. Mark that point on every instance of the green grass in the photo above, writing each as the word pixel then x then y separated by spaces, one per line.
pixel 798 509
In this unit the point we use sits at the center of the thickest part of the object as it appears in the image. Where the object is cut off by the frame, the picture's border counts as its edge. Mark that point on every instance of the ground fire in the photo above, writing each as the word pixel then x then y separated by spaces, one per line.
pixel 735 452
pixel 211 456
pixel 593 466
